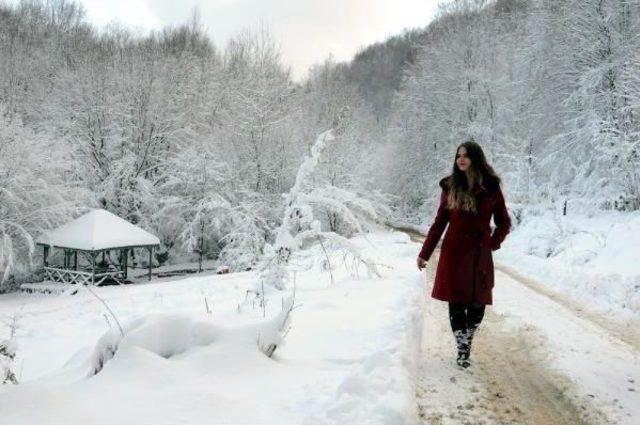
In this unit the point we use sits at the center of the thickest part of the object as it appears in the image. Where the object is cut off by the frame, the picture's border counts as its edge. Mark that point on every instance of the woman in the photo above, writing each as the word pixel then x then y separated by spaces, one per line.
pixel 464 276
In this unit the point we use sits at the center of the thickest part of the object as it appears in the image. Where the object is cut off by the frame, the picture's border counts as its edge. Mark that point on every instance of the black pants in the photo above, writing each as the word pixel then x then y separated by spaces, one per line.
pixel 465 316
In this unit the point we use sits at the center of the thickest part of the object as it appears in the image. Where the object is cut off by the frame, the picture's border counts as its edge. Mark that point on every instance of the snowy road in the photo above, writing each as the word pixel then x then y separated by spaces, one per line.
pixel 538 359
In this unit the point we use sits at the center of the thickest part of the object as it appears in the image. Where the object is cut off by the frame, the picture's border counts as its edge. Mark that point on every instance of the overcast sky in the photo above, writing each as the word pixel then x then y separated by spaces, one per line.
pixel 307 30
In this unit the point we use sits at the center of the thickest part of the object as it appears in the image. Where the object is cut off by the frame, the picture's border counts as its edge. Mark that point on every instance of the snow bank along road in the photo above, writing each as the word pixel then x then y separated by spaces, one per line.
pixel 538 359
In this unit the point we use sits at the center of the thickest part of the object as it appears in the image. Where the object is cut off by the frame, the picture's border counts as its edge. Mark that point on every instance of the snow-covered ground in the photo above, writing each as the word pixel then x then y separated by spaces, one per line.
pixel 594 260
pixel 360 350
pixel 350 355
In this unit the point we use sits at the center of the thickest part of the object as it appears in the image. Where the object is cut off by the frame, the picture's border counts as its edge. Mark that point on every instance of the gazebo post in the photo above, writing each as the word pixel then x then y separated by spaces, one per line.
pixel 150 257
pixel 126 262
pixel 93 268
pixel 75 260
pixel 46 255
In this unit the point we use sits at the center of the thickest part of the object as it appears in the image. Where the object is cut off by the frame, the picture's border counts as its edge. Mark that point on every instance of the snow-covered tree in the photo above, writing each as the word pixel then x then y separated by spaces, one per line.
pixel 346 171
pixel 257 91
pixel 210 214
pixel 194 203
pixel 599 71
pixel 33 196
pixel 298 224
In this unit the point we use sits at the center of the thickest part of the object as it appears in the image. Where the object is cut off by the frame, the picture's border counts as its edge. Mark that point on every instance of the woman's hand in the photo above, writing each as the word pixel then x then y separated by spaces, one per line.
pixel 421 264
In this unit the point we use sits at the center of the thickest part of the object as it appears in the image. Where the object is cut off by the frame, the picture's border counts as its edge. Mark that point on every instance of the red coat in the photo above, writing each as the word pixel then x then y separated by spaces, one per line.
pixel 465 268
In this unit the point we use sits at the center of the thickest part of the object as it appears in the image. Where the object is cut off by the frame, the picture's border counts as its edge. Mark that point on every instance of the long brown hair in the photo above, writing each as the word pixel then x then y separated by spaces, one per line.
pixel 480 172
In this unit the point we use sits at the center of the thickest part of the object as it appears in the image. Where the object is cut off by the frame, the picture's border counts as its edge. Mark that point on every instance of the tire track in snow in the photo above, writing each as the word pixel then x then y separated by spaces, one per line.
pixel 628 334
pixel 519 385
pixel 603 369
pixel 507 383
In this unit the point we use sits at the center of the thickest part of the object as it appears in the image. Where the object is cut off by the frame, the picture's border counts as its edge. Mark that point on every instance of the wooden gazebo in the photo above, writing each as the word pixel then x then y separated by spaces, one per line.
pixel 94 236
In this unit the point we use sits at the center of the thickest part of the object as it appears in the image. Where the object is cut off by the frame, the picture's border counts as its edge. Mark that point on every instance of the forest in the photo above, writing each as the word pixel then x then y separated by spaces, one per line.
pixel 197 142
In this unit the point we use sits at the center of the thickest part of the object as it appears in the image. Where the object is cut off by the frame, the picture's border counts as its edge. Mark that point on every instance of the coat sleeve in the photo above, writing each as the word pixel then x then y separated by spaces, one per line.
pixel 436 229
pixel 502 220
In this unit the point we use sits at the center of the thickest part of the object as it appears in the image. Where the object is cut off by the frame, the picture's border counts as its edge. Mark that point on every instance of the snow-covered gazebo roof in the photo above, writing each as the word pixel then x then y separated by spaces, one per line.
pixel 98 230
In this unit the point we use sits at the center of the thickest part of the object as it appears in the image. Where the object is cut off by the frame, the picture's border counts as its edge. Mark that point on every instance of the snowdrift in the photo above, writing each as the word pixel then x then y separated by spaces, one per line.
pixel 350 355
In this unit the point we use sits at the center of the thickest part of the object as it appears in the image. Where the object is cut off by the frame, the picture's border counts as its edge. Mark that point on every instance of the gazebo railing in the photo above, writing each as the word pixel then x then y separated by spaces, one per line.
pixel 81 277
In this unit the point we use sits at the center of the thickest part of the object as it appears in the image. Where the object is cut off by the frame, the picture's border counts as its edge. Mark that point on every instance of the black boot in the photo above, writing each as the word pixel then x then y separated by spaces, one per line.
pixel 462 343
pixel 475 313
pixel 471 331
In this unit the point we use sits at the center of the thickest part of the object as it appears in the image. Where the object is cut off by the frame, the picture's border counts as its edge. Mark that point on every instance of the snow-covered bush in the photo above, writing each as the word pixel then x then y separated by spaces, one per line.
pixel 246 231
pixel 104 350
pixel 7 354
pixel 348 212
pixel 209 214
pixel 298 224
pixel 33 195
pixel 271 333
pixel 170 335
